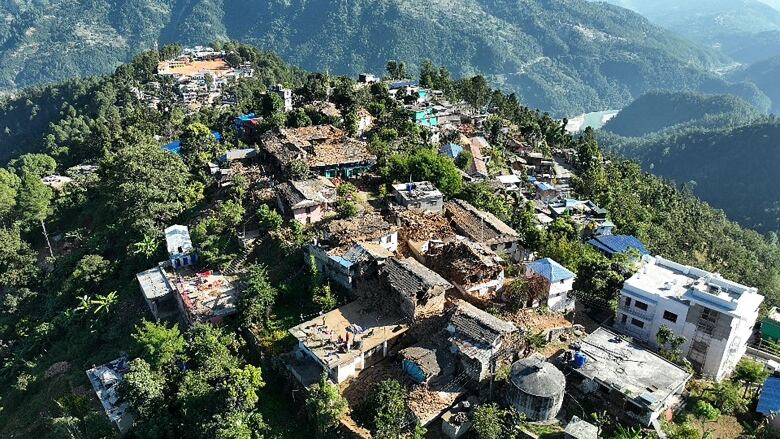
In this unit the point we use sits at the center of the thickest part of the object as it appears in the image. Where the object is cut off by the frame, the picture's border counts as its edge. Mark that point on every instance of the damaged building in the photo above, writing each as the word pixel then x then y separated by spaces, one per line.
pixel 484 227
pixel 204 296
pixel 324 149
pixel 350 249
pixel 478 339
pixel 344 341
pixel 429 362
pixel 473 269
pixel 306 201
pixel 633 382
pixel 105 380
pixel 419 291
pixel 418 230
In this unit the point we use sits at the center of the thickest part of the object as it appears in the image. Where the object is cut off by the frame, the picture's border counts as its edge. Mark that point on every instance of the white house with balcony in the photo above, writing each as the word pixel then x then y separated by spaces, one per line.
pixel 714 315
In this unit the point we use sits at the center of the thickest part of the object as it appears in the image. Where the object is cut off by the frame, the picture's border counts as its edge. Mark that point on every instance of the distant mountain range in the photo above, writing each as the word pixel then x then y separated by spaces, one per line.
pixel 745 30
pixel 722 149
pixel 563 56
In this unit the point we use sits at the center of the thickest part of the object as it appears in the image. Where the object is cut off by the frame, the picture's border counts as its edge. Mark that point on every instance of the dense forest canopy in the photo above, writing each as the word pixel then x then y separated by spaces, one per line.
pixel 563 56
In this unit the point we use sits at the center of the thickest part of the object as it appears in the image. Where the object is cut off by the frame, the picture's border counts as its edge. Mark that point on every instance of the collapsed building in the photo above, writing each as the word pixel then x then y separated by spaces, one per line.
pixel 105 380
pixel 418 230
pixel 474 269
pixel 418 291
pixel 351 249
pixel 323 149
pixel 484 227
pixel 479 339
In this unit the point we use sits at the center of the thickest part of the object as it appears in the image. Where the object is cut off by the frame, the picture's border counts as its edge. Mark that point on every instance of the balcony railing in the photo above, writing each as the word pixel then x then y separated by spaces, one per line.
pixel 636 312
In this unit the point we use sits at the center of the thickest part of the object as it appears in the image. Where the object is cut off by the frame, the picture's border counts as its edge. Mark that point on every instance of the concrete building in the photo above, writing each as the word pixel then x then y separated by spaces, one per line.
pixel 558 283
pixel 306 201
pixel 580 429
pixel 181 253
pixel 285 94
pixel 420 195
pixel 419 291
pixel 633 382
pixel 536 388
pixel 158 292
pixel 714 315
pixel 347 340
pixel 484 227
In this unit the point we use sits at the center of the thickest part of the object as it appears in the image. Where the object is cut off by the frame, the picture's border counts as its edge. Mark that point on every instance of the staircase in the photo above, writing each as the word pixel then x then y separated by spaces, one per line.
pixel 234 267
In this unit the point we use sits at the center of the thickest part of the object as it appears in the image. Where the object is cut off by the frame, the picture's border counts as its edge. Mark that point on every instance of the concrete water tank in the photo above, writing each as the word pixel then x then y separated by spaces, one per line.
pixel 536 388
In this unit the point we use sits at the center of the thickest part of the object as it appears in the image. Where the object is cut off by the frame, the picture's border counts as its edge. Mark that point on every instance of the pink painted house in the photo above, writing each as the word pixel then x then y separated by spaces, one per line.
pixel 306 201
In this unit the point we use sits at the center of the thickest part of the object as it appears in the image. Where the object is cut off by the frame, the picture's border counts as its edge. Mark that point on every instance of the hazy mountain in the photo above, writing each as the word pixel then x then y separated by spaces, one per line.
pixel 566 56
pixel 765 75
pixel 718 146
pixel 746 30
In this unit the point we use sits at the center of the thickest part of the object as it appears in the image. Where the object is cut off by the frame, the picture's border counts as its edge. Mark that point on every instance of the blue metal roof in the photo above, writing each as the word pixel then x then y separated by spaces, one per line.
pixel 174 147
pixel 611 244
pixel 550 270
pixel 452 150
pixel 542 186
pixel 246 117
pixel 531 178
pixel 217 136
pixel 341 261
pixel 769 401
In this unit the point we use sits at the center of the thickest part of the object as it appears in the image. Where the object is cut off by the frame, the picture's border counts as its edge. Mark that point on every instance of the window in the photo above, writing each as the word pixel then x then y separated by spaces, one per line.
pixel 640 305
pixel 623 319
pixel 628 301
pixel 638 323
pixel 670 316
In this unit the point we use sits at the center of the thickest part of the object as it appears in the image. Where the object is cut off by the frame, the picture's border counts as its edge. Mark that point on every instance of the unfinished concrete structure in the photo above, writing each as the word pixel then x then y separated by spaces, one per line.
pixel 477 337
pixel 474 269
pixel 419 195
pixel 714 315
pixel 346 340
pixel 484 227
pixel 419 291
pixel 580 429
pixel 158 292
pixel 536 388
pixel 204 296
pixel 633 382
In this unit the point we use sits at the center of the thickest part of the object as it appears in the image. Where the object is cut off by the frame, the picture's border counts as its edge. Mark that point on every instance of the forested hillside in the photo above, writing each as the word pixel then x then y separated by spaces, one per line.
pixel 717 146
pixel 564 56
pixel 658 111
pixel 765 75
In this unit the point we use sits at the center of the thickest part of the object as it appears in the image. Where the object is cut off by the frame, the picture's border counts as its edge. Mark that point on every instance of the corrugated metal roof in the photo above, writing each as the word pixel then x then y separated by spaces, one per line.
pixel 550 270
pixel 612 244
pixel 769 400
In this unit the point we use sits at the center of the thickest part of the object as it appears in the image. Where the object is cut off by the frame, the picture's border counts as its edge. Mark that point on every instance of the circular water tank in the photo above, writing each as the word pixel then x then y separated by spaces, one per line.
pixel 536 388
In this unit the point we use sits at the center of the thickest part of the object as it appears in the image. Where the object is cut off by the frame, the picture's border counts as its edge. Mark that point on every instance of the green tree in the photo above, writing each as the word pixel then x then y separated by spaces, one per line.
pixel 144 388
pixel 389 410
pixel 488 421
pixel 483 196
pixel 9 184
pixel 325 406
pixel 34 204
pixel 325 298
pixel 160 346
pixel 750 373
pixel 258 298
pixel 199 147
pixel 268 218
pixel 39 165
pixel 425 164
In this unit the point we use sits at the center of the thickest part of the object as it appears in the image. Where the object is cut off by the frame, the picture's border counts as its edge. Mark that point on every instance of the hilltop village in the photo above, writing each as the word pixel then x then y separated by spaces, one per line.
pixel 476 273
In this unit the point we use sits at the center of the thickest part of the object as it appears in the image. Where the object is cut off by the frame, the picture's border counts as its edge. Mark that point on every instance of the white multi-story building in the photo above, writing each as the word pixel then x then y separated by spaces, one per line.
pixel 714 315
